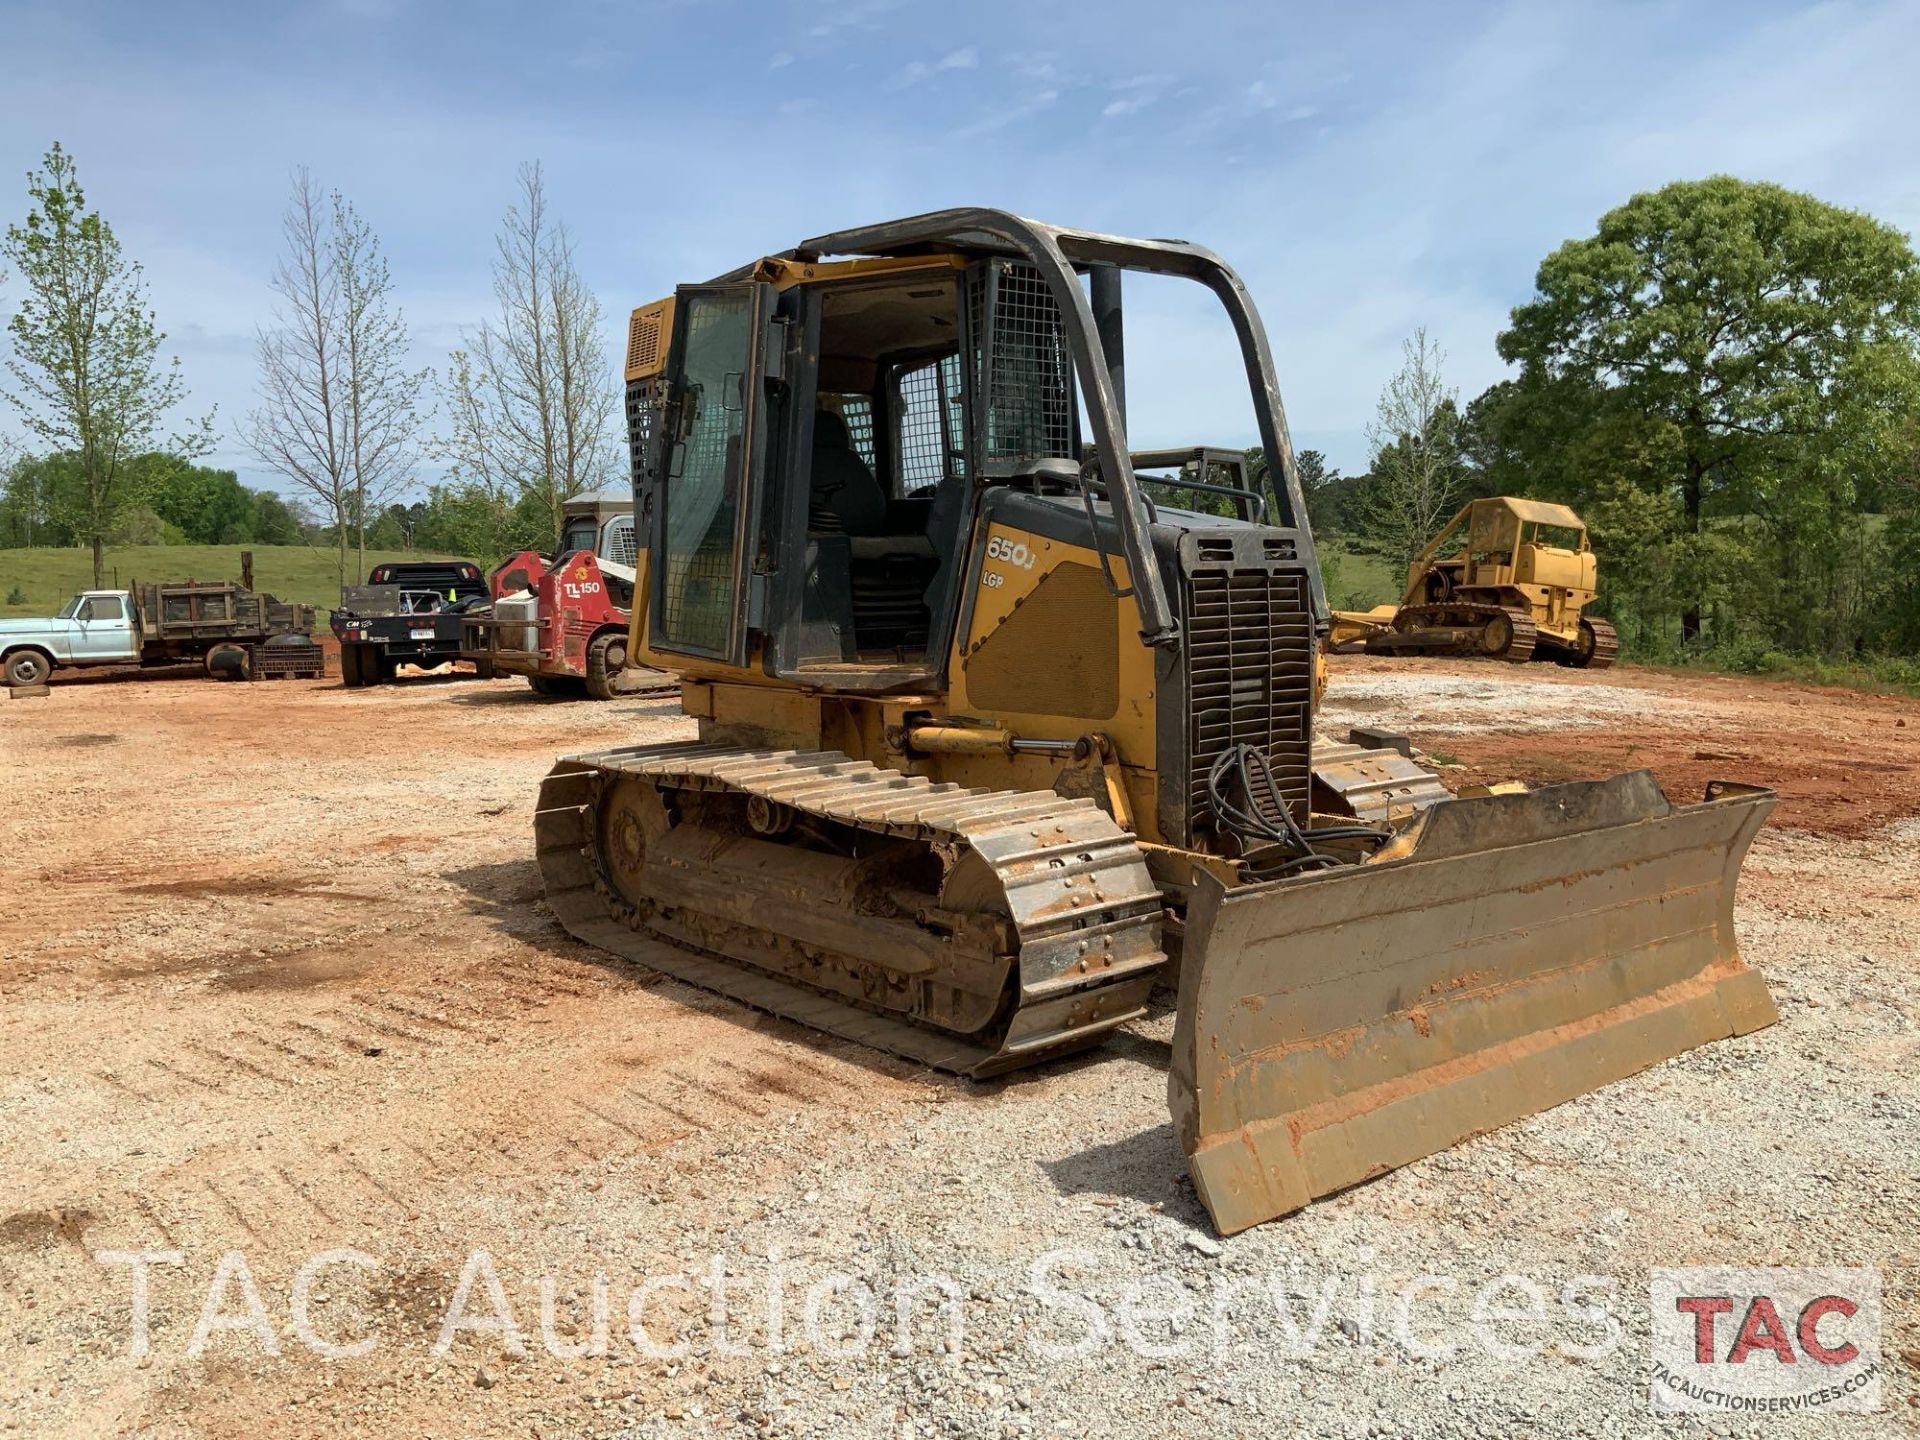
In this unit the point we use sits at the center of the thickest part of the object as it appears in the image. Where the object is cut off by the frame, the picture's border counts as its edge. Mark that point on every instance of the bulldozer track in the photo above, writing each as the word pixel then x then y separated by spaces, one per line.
pixel 1374 783
pixel 1576 651
pixel 1084 910
pixel 1606 645
pixel 1415 629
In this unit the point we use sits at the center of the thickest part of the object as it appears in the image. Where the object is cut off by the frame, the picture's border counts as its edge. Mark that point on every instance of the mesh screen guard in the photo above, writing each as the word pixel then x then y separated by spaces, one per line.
pixel 1022 366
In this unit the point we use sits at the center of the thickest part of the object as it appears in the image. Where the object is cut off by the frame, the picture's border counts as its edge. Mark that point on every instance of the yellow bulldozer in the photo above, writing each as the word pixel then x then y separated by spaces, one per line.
pixel 990 744
pixel 1514 590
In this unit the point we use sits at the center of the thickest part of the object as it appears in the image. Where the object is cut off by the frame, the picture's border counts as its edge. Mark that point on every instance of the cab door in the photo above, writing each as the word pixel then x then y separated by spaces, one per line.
pixel 102 629
pixel 707 510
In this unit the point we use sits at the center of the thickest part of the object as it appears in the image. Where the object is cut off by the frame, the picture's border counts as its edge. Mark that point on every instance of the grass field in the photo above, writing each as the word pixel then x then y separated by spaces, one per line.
pixel 1356 581
pixel 48 577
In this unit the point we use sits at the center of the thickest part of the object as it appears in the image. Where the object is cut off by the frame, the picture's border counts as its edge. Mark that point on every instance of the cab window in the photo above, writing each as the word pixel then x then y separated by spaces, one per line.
pixel 104 607
pixel 1558 537
pixel 929 427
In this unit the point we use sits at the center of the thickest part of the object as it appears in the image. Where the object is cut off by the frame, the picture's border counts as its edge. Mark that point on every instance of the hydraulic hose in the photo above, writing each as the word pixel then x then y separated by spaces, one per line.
pixel 1245 769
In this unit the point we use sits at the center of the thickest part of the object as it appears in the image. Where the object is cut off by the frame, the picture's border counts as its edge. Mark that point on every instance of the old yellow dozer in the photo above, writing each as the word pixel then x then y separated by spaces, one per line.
pixel 989 744
pixel 1514 591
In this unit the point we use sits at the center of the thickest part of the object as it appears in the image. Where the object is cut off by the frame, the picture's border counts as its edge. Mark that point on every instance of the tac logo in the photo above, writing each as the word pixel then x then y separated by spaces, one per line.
pixel 1772 1341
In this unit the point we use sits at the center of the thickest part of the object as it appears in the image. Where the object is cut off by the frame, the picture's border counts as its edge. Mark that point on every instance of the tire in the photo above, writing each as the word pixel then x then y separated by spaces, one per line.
pixel 484 670
pixel 353 666
pixel 606 658
pixel 28 667
pixel 229 662
pixel 558 687
pixel 386 667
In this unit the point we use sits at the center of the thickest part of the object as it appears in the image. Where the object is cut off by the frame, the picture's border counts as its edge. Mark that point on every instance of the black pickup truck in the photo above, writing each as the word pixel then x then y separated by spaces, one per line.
pixel 406 613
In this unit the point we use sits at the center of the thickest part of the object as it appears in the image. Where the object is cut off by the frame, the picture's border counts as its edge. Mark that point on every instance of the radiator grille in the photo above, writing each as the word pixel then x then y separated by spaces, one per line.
pixel 1249 678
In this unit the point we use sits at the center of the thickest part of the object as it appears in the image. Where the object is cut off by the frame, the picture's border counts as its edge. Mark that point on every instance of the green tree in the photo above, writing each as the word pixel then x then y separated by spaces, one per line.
pixel 1417 474
pixel 385 532
pixel 275 521
pixel 40 491
pixel 403 521
pixel 29 502
pixel 1332 504
pixel 469 518
pixel 1325 492
pixel 1899 558
pixel 1760 338
pixel 86 364
pixel 207 506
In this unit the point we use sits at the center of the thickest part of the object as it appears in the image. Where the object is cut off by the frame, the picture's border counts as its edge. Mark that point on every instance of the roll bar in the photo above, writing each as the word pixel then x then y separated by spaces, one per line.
pixel 1058 254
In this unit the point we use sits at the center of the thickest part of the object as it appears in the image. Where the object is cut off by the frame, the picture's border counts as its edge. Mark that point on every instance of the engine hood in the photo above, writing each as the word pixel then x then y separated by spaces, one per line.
pixel 28 625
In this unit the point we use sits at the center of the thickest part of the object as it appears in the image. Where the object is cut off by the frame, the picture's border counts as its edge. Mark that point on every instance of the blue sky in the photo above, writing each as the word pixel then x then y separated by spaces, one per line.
pixel 1368 167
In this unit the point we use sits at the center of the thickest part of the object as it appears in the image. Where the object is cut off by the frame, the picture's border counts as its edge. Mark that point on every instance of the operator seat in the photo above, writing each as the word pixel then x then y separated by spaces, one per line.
pixel 846 495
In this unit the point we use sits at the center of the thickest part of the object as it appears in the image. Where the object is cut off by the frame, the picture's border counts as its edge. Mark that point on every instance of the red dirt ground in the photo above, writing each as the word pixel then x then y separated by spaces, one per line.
pixel 1845 763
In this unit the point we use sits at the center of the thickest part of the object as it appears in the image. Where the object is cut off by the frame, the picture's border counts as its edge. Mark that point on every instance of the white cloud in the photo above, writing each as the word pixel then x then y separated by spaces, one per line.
pixel 859 15
pixel 1036 66
pixel 1441 202
pixel 1368 171
pixel 1002 116
pixel 919 71
pixel 1134 94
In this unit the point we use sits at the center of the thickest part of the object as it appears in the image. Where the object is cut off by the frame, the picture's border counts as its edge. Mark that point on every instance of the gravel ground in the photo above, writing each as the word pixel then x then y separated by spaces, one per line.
pixel 1512 702
pixel 279 1006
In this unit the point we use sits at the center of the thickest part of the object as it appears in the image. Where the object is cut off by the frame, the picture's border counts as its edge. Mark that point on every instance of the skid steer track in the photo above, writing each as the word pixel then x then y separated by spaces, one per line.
pixel 1065 889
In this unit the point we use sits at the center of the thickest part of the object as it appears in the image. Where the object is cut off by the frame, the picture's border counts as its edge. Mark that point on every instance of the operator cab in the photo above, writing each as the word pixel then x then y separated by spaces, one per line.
pixel 821 448
pixel 601 522
pixel 889 430
pixel 846 451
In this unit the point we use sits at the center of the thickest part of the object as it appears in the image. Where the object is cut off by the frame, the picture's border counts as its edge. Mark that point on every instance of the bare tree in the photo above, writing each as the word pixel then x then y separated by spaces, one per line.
pixel 86 352
pixel 300 427
pixel 382 396
pixel 1414 440
pixel 339 410
pixel 530 398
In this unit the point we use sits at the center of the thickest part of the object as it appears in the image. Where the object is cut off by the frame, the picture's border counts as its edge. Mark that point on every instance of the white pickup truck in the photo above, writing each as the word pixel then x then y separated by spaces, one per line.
pixel 147 625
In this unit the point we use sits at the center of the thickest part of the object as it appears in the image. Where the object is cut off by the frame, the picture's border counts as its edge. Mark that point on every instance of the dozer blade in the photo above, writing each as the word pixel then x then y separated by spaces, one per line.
pixel 1522 950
